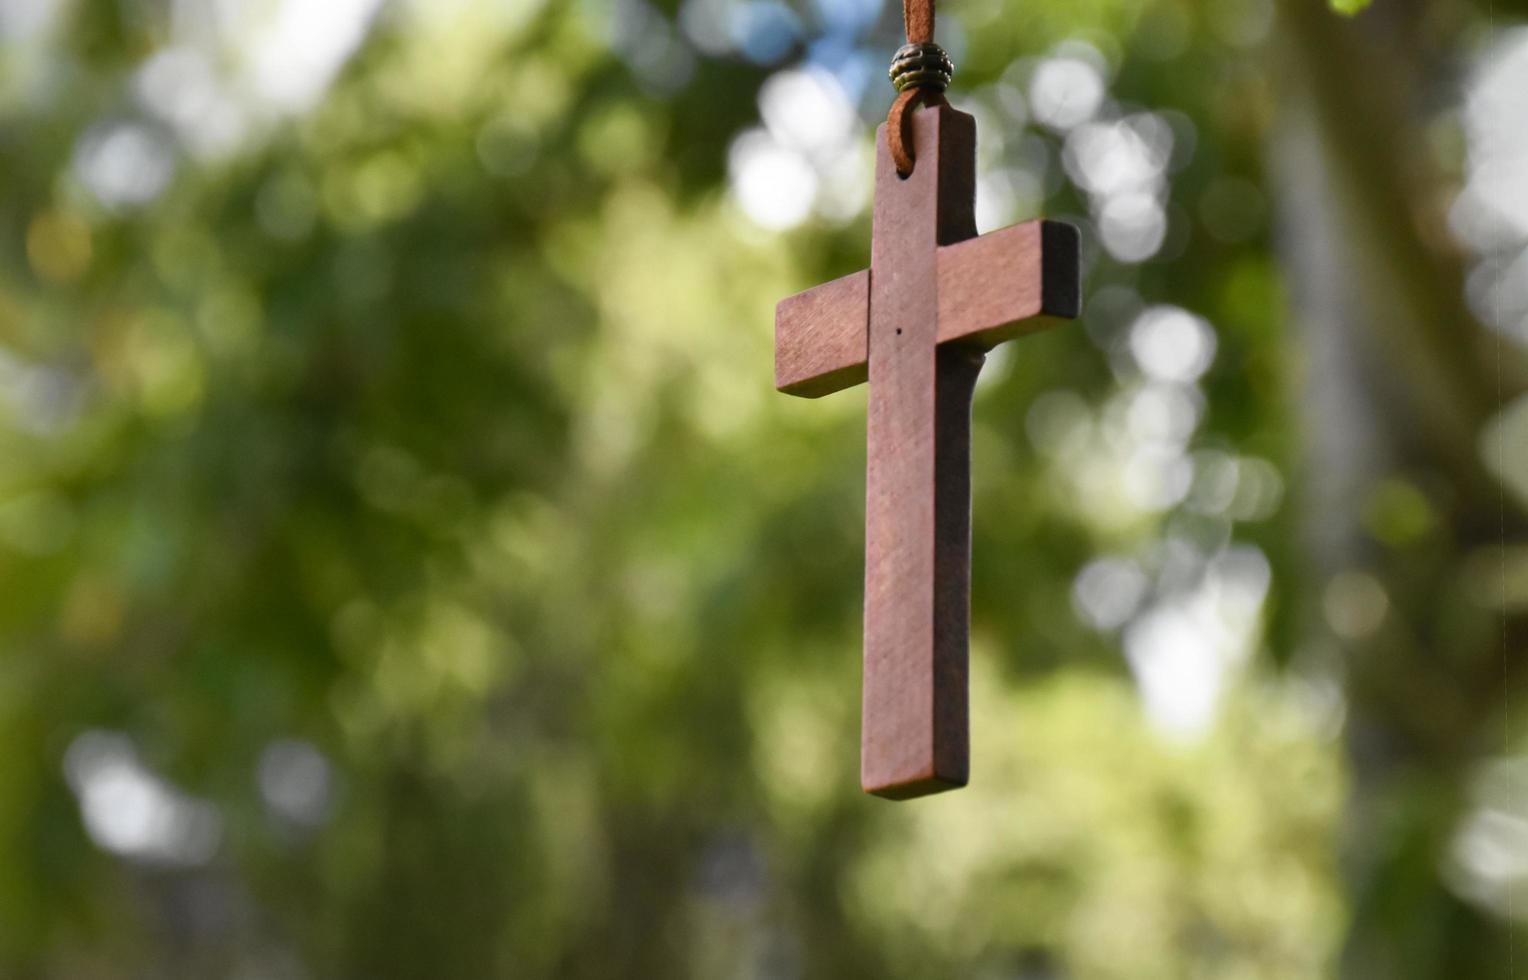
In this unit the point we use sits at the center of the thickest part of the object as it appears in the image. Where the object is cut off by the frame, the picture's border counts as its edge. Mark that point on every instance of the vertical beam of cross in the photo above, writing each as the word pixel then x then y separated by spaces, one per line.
pixel 916 479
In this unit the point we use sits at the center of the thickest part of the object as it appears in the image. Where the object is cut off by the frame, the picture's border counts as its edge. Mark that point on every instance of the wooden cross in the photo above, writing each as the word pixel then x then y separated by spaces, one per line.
pixel 917 325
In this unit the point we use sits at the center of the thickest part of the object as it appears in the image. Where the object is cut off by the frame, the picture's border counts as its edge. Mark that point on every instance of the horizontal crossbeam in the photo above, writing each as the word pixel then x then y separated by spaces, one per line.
pixel 1004 284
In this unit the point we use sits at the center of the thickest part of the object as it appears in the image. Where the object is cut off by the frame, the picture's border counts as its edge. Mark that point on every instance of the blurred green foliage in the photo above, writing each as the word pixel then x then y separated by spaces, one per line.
pixel 398 500
pixel 1350 7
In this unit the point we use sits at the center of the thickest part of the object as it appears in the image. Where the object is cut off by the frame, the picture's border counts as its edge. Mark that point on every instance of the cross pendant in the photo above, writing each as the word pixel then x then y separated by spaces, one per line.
pixel 917 325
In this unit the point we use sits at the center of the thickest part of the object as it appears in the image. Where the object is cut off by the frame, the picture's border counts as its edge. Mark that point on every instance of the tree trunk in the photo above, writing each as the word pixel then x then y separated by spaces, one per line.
pixel 1399 380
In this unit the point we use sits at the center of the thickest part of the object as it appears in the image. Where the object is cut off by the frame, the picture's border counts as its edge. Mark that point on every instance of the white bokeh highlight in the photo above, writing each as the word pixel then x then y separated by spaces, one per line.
pixel 806 159
pixel 295 782
pixel 131 811
pixel 1184 651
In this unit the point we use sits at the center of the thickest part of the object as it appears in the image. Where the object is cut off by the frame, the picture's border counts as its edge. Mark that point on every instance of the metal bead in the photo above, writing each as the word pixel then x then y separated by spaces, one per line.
pixel 921 66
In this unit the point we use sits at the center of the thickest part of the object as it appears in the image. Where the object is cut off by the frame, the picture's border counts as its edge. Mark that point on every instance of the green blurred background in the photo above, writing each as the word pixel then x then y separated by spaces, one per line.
pixel 409 571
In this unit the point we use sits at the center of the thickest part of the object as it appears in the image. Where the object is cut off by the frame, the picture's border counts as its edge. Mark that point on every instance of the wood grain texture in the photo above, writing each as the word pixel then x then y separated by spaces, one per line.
pixel 914 733
pixel 1005 284
pixel 821 337
pixel 1008 283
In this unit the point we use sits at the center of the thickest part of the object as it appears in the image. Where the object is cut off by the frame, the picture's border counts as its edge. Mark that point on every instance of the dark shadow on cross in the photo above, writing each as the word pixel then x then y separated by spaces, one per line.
pixel 917 325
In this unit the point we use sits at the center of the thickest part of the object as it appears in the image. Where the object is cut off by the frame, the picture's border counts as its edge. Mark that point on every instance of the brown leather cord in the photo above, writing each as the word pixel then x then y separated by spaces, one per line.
pixel 899 136
pixel 918 21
